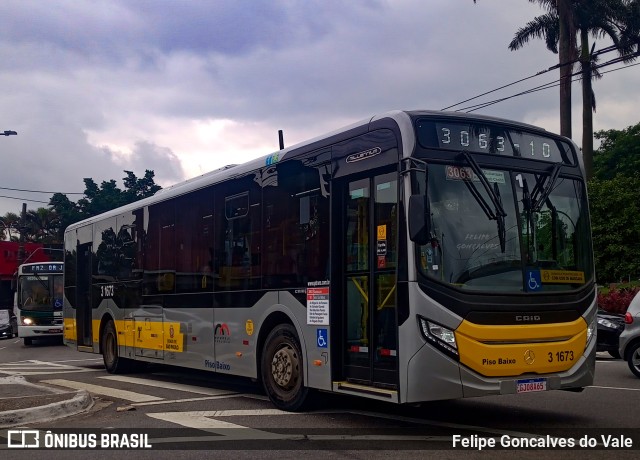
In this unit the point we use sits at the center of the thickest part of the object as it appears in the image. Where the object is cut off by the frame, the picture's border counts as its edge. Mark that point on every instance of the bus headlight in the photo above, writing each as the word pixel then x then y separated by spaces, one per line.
pixel 441 337
pixel 27 321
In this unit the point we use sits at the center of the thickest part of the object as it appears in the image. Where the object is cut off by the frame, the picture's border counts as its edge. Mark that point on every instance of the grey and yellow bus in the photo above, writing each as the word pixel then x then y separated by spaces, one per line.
pixel 413 256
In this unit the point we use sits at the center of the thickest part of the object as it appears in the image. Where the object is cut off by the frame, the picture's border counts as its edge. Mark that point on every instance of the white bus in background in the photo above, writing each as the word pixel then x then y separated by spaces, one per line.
pixel 38 300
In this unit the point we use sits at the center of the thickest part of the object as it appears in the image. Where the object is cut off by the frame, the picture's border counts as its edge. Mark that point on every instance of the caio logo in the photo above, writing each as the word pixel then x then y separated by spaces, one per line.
pixel 221 333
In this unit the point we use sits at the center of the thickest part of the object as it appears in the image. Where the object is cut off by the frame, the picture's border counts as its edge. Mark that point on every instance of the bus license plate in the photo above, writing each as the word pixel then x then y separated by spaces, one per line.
pixel 55 331
pixel 531 385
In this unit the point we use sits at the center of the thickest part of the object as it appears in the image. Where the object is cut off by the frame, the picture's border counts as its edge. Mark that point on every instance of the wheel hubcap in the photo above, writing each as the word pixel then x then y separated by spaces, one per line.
pixel 284 367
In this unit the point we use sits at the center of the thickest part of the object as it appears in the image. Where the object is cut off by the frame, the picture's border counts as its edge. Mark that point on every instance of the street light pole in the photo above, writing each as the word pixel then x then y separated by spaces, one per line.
pixel 8 133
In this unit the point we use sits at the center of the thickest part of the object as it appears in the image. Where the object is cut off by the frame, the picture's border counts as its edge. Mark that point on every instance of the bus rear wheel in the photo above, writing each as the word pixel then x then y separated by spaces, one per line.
pixel 110 355
pixel 282 369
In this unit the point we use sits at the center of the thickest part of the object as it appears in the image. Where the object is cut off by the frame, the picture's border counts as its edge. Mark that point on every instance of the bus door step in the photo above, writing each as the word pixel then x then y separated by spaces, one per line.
pixel 382 394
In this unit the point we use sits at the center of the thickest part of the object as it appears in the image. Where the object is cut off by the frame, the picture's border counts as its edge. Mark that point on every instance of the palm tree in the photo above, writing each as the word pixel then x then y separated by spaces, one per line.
pixel 616 20
pixel 40 225
pixel 613 19
pixel 557 29
pixel 9 226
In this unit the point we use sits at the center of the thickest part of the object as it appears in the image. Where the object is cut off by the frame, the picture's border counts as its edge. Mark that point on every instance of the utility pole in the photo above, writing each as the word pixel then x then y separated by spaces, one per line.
pixel 22 229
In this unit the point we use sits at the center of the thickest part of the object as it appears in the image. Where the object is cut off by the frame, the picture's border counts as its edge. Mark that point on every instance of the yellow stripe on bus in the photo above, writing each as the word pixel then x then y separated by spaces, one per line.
pixel 146 334
pixel 70 329
pixel 495 351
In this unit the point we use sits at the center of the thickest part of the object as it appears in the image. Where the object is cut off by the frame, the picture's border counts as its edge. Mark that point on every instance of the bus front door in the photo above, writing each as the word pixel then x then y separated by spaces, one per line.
pixel 369 268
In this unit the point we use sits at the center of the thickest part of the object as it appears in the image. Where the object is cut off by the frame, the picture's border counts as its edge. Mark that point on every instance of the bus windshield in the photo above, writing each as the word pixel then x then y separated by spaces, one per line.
pixel 40 292
pixel 516 232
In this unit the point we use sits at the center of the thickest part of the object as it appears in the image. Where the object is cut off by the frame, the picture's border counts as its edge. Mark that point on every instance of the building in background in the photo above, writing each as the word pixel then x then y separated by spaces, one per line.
pixel 33 252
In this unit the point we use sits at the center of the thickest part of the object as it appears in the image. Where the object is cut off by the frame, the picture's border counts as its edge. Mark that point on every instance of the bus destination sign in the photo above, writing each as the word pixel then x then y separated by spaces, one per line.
pixel 480 137
pixel 43 268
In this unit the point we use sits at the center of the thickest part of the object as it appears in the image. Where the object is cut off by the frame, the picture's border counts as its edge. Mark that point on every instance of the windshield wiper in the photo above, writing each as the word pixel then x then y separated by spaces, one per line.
pixel 527 205
pixel 537 201
pixel 494 196
pixel 502 232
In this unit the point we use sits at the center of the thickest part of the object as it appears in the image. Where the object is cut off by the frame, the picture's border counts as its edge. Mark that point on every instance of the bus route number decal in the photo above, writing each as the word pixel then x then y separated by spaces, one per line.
pixel 106 291
pixel 560 356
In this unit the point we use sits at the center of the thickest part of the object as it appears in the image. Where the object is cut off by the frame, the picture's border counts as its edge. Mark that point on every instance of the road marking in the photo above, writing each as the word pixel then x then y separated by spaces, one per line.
pixel 613 388
pixel 105 391
pixel 227 431
pixel 175 401
pixel 36 367
pixel 168 385
pixel 202 420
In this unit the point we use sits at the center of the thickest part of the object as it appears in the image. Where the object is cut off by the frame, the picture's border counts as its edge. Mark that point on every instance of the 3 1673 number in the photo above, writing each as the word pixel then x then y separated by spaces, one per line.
pixel 560 356
pixel 106 290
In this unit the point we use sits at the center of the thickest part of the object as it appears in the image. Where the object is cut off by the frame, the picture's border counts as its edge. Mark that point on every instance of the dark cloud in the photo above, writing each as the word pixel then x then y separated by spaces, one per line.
pixel 166 165
pixel 94 88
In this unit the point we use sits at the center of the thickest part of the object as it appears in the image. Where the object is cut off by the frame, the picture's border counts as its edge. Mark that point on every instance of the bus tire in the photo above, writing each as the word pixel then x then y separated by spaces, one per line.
pixel 633 358
pixel 282 369
pixel 113 363
pixel 28 341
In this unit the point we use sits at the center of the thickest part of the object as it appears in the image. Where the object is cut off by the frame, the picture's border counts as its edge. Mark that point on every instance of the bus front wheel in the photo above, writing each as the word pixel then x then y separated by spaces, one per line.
pixel 28 341
pixel 282 369
pixel 110 355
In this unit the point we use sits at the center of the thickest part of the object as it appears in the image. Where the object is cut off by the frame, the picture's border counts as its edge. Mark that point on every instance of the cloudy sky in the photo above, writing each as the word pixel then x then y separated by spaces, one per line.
pixel 185 86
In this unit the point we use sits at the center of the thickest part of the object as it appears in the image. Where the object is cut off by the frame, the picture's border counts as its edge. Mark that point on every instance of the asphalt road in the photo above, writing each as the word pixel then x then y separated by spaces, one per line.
pixel 183 413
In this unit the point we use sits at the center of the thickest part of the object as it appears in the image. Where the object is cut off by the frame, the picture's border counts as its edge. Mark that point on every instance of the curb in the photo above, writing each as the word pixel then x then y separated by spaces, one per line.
pixel 80 402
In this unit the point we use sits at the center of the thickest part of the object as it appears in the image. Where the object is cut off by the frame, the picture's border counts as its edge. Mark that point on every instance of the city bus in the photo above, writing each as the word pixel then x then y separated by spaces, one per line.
pixel 39 300
pixel 410 257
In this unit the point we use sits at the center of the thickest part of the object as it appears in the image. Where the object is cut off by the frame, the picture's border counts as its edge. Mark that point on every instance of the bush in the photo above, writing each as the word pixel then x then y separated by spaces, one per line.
pixel 617 300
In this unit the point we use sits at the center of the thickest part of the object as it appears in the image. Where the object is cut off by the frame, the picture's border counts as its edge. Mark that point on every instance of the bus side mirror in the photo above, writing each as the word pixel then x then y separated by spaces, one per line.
pixel 418 219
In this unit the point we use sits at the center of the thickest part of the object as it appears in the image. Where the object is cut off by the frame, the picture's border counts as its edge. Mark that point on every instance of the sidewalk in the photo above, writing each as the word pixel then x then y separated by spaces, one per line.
pixel 23 402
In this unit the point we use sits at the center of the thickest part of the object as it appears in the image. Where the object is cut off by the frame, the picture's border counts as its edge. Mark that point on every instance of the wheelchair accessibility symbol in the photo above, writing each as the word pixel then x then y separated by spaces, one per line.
pixel 534 283
pixel 321 338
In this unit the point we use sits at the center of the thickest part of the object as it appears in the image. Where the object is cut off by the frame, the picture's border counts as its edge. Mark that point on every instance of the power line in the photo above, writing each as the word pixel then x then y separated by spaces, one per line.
pixel 495 101
pixel 39 191
pixel 574 61
pixel 23 199
pixel 552 84
pixel 498 89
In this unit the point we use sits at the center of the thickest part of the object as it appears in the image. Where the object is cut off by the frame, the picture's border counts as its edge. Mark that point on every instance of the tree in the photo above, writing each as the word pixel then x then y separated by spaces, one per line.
pixel 137 189
pixel 614 196
pixel 9 225
pixel 40 226
pixel 617 20
pixel 566 56
pixel 557 28
pixel 67 213
pixel 615 206
pixel 619 153
pixel 99 199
